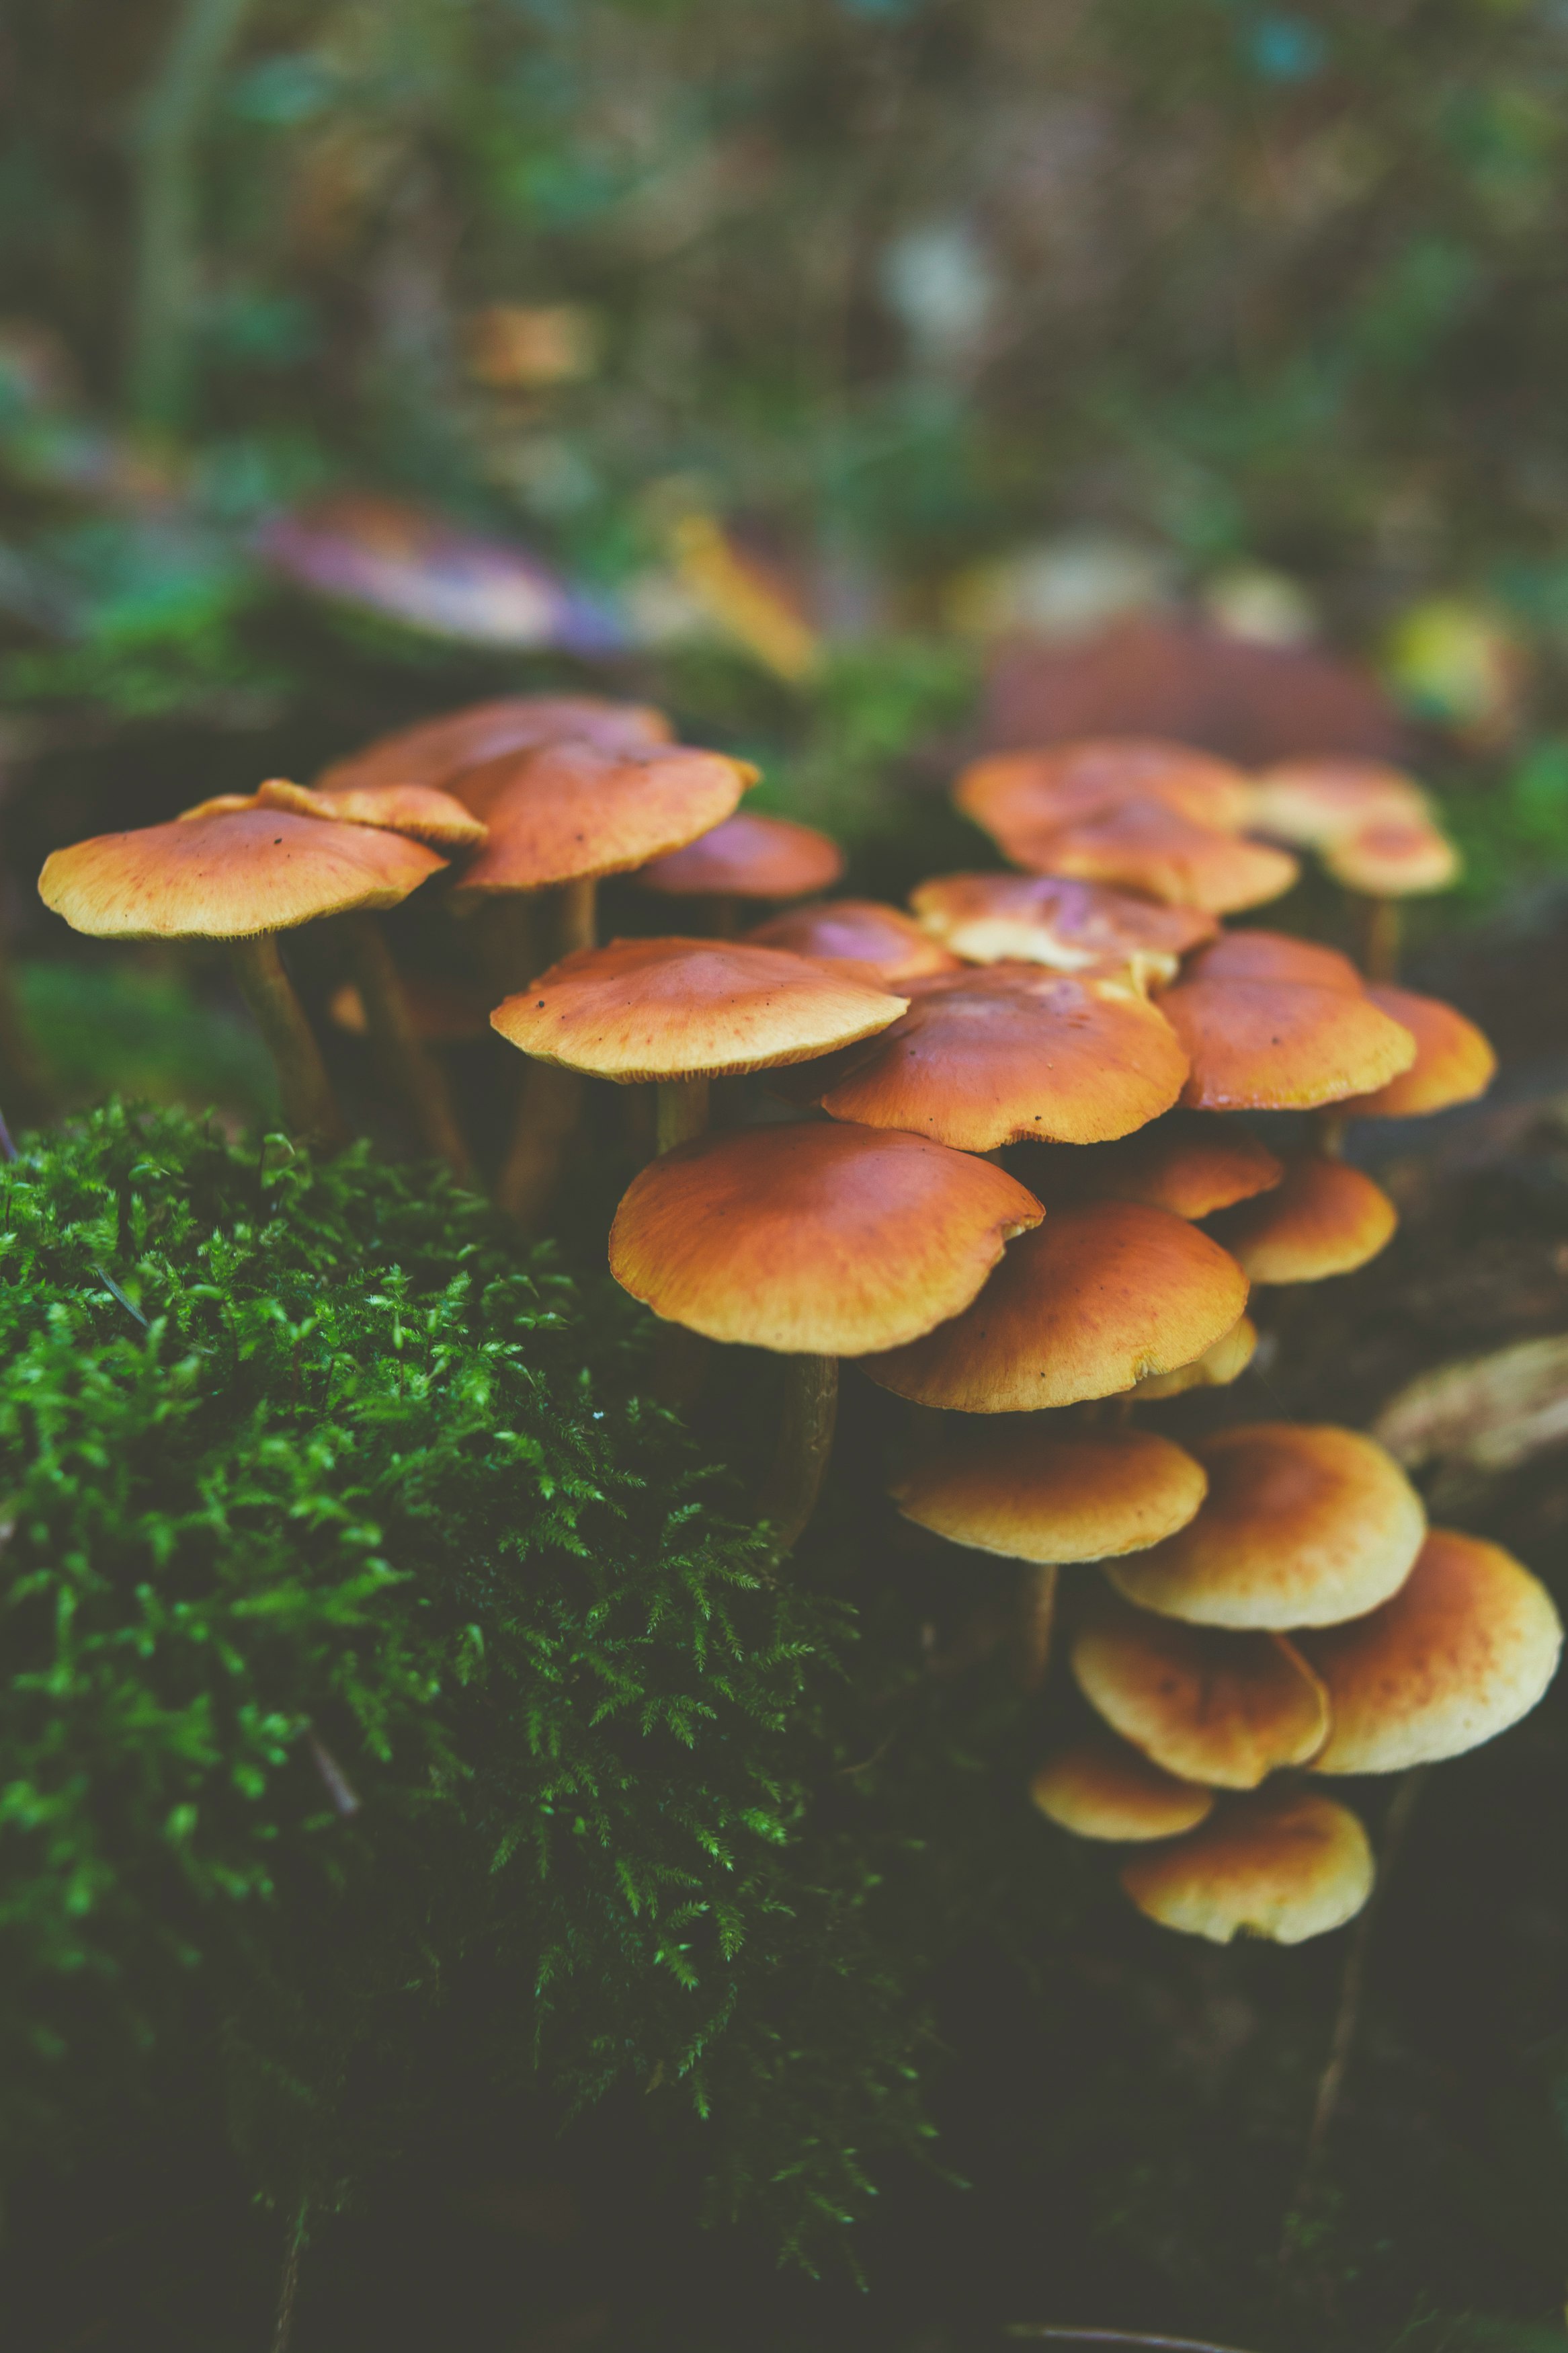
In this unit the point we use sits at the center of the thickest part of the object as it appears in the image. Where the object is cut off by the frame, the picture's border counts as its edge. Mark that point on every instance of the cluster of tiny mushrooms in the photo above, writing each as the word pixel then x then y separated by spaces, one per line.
pixel 1000 1167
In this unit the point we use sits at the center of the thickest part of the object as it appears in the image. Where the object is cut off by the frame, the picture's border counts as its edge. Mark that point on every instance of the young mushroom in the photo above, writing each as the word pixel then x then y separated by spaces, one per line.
pixel 1100 1787
pixel 1259 1037
pixel 1372 827
pixel 1141 845
pixel 1014 794
pixel 1069 926
pixel 1454 1062
pixel 747 857
pixel 856 931
pixel 1029 1492
pixel 1325 1218
pixel 1285 1865
pixel 1214 1369
pixel 436 751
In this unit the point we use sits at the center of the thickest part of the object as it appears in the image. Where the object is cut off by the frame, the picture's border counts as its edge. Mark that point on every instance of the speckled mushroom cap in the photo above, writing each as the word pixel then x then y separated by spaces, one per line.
pixel 1214 1369
pixel 1286 1865
pixel 989 1057
pixel 1012 793
pixel 1191 1163
pixel 229 877
pixel 1326 1219
pixel 1222 1708
pixel 1281 1044
pixel 433 751
pixel 813 1240
pixel 1097 1298
pixel 1304 1525
pixel 1454 1061
pixel 420 811
pixel 570 811
pixel 1314 802
pixel 1046 919
pixel 689 1008
pixel 856 931
pixel 749 857
pixel 1102 1788
pixel 1143 846
pixel 1394 861
pixel 1014 1487
pixel 1466 1647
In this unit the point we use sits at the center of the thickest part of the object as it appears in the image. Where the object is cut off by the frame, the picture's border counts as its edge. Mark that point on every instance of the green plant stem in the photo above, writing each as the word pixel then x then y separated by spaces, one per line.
pixel 407 1064
pixel 310 1107
pixel 164 278
pixel 681 1112
pixel 809 1409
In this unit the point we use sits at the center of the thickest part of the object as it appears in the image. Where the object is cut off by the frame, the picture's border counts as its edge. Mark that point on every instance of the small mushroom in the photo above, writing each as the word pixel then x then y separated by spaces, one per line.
pixel 1014 794
pixel 1326 1219
pixel 1144 846
pixel 856 931
pixel 1069 926
pixel 1466 1647
pixel 436 751
pixel 1013 1487
pixel 1311 803
pixel 1100 1787
pixel 1304 1525
pixel 1454 1062
pixel 1270 1042
pixel 1214 1369
pixel 1191 1163
pixel 1226 1709
pixel 1285 1864
pixel 749 856
pixel 1099 1297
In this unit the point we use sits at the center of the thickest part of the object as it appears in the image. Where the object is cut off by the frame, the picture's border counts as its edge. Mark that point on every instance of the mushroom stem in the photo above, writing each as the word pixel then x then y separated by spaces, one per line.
pixel 787 1496
pixel 1380 938
pixel 310 1107
pixel 1331 1126
pixel 548 1105
pixel 576 915
pixel 1036 1621
pixel 408 1062
pixel 507 940
pixel 681 1111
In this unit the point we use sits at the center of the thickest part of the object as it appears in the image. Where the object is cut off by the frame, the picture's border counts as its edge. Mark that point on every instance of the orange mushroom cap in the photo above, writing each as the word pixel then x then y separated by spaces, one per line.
pixel 435 751
pixel 1257 955
pixel 749 857
pixel 1214 1369
pixel 1316 801
pixel 1226 1709
pixel 1191 1163
pixel 1287 1866
pixel 1012 793
pixel 813 1240
pixel 1102 1788
pixel 1046 919
pixel 422 811
pixel 572 810
pixel 1282 1044
pixel 989 1057
pixel 1012 1487
pixel 229 878
pixel 688 1008
pixel 856 931
pixel 1454 1062
pixel 1097 1298
pixel 1144 846
pixel 1394 859
pixel 1304 1525
pixel 1325 1218
pixel 1466 1647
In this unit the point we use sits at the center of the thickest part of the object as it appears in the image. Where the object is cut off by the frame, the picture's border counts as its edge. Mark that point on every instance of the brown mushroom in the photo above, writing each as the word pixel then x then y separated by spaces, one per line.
pixel 1100 1787
pixel 1011 793
pixel 1326 1219
pixel 1214 1369
pixel 1013 1487
pixel 1286 1865
pixel 436 751
pixel 1454 1062
pixel 1069 926
pixel 856 931
pixel 1271 1043
pixel 1144 846
pixel 1191 1163
pixel 749 856
pixel 1315 801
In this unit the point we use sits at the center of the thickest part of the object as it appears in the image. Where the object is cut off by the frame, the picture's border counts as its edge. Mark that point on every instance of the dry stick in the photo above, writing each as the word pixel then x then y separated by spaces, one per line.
pixel 787 1496
pixel 310 1107
pixel 408 1062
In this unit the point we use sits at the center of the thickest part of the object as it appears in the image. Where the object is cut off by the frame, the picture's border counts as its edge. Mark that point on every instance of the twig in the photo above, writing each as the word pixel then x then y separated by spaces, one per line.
pixel 1038 2328
pixel 289 2281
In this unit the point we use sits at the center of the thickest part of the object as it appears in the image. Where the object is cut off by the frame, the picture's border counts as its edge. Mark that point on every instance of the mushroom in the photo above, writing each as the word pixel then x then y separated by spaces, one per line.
pixel 1275 1043
pixel 1254 953
pixel 242 878
pixel 1466 1647
pixel 1010 793
pixel 989 1057
pixel 1454 1062
pixel 1100 1296
pixel 1100 1787
pixel 1226 1709
pixel 435 751
pixel 1285 1864
pixel 1325 1218
pixel 682 1012
pixel 1014 1487
pixel 1191 1163
pixel 1304 1525
pixel 1214 1369
pixel 816 1241
pixel 748 856
pixel 1069 926
pixel 856 931
pixel 1144 846
pixel 1374 828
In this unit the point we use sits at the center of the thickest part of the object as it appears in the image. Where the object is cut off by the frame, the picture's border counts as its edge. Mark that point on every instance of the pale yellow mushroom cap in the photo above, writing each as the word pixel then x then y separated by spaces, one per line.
pixel 1286 1866
pixel 1102 1788
pixel 1009 1486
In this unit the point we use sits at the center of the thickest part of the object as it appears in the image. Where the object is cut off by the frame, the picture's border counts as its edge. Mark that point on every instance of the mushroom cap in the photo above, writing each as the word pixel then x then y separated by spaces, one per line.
pixel 1191 1163
pixel 445 1012
pixel 229 878
pixel 1304 1525
pixel 1144 846
pixel 1046 919
pixel 1325 1218
pixel 1465 1648
pixel 1013 1487
pixel 1394 859
pixel 1221 1708
pixel 1011 793
pixel 422 811
pixel 435 751
pixel 991 1055
pixel 813 1240
pixel 749 857
pixel 856 931
pixel 1282 1044
pixel 1286 1865
pixel 1454 1062
pixel 1214 1369
pixel 1097 1298
pixel 1102 1788
pixel 1314 802
pixel 1254 953
pixel 572 810
pixel 688 1008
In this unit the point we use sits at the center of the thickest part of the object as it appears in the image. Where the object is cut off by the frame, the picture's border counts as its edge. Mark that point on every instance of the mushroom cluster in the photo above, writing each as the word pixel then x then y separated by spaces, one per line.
pixel 997 1156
